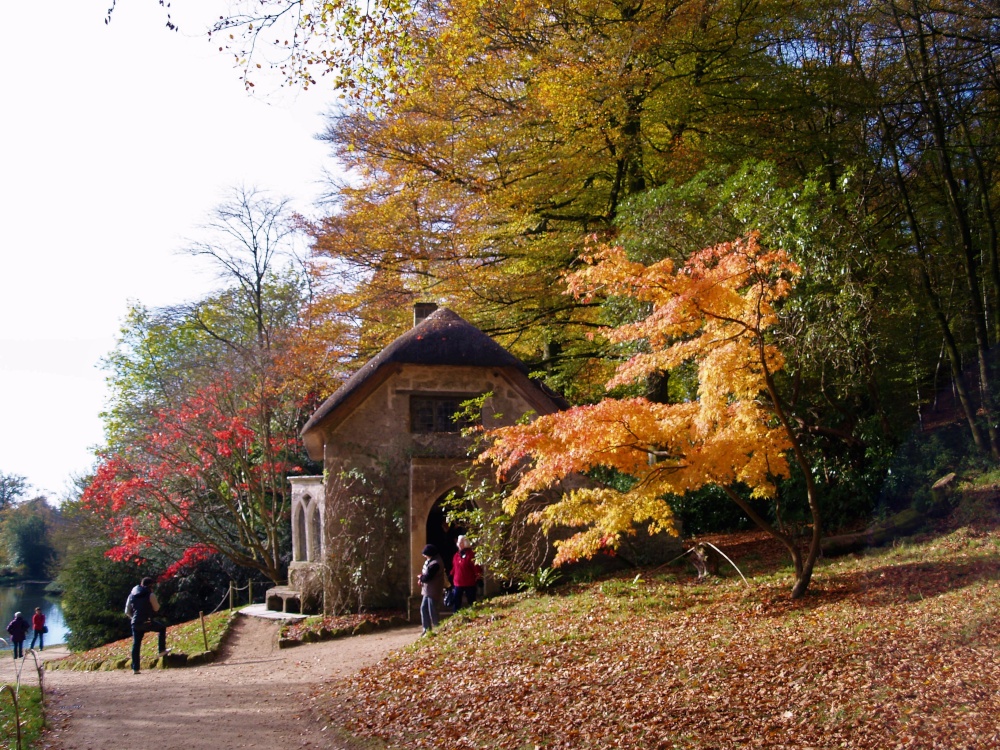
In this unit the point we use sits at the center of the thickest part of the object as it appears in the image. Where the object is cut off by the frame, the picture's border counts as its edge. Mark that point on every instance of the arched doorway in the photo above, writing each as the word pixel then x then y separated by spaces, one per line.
pixel 440 532
pixel 431 481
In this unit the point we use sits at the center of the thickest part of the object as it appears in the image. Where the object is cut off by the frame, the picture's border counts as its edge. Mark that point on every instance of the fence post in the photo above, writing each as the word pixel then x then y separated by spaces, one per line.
pixel 204 634
pixel 40 670
pixel 251 591
pixel 17 712
pixel 230 596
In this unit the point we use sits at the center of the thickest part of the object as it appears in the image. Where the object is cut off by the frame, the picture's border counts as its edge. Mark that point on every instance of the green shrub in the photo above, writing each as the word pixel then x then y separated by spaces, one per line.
pixel 95 589
pixel 541 580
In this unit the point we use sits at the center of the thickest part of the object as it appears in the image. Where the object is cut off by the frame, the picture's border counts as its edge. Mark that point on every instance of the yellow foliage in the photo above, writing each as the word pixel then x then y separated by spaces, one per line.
pixel 714 311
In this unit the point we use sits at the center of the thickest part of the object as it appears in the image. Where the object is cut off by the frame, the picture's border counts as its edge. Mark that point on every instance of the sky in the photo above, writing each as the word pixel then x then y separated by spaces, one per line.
pixel 116 141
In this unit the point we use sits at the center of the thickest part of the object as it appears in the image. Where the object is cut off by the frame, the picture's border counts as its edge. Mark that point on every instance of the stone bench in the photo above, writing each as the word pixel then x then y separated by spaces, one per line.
pixel 283 599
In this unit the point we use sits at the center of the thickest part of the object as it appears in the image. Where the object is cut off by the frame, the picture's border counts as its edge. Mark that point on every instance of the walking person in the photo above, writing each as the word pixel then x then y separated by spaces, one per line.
pixel 432 579
pixel 465 573
pixel 38 629
pixel 18 630
pixel 141 606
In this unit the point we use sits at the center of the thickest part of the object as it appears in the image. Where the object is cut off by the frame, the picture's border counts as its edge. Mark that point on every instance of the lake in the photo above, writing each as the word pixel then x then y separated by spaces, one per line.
pixel 24 598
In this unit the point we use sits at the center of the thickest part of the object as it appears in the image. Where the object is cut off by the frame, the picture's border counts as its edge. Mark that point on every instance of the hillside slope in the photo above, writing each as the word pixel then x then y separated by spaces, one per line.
pixel 897 647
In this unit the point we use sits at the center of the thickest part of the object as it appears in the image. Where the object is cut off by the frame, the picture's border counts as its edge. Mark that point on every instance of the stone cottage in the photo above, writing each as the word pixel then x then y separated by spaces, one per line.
pixel 391 453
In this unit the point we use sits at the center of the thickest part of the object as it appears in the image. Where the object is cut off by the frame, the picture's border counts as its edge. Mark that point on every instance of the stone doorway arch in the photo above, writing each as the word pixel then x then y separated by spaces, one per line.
pixel 431 479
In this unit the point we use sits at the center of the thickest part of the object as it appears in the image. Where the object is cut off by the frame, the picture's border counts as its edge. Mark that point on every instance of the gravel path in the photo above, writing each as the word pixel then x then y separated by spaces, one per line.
pixel 255 696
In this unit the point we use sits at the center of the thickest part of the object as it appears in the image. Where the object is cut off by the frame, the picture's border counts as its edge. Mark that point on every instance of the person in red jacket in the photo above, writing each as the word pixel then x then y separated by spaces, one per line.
pixel 465 573
pixel 38 629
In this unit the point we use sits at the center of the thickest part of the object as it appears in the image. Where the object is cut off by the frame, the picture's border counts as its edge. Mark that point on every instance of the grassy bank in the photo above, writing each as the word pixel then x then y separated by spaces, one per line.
pixel 898 647
pixel 32 717
pixel 186 641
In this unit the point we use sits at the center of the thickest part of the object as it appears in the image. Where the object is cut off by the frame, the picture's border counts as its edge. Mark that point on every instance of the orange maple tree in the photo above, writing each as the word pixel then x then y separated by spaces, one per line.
pixel 715 311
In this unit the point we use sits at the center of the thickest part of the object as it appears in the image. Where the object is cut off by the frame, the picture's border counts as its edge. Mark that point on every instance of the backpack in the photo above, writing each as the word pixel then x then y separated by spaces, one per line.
pixel 137 605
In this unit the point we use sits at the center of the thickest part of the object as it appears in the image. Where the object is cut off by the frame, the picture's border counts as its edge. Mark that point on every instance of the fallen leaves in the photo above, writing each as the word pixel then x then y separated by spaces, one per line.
pixel 325 627
pixel 898 650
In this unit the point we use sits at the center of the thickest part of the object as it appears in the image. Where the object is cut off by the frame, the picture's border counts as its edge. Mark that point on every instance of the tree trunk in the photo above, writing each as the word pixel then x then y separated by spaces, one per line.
pixel 920 68
pixel 954 359
pixel 786 539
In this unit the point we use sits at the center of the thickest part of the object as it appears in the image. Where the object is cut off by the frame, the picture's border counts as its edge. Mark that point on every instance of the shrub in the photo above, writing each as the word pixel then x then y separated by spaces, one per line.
pixel 95 589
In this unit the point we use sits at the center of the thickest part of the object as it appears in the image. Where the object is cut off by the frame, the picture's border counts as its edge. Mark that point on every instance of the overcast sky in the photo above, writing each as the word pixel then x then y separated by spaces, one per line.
pixel 117 141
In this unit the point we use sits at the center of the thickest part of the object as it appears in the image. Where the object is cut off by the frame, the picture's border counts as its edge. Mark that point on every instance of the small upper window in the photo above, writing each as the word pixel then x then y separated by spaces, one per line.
pixel 436 413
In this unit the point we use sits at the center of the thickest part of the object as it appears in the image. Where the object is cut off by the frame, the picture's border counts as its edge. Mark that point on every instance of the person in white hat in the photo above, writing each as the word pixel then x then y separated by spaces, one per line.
pixel 18 629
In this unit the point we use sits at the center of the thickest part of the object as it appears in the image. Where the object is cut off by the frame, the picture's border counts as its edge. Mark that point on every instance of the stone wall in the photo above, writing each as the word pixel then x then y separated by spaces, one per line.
pixel 372 454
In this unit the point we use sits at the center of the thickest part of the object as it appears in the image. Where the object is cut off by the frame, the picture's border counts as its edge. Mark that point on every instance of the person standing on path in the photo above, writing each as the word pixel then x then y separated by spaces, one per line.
pixel 18 629
pixel 38 629
pixel 141 606
pixel 432 580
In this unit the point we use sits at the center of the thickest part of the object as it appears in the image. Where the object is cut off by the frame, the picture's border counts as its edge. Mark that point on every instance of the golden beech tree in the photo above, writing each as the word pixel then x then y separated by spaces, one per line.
pixel 715 311
pixel 512 131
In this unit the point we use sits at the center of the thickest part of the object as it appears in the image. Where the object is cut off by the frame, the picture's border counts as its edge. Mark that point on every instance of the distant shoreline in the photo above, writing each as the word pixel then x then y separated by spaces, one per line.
pixel 14 581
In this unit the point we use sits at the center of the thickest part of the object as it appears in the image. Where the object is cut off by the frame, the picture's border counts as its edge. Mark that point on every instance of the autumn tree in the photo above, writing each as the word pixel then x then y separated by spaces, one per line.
pixel 515 132
pixel 717 311
pixel 207 400
pixel 210 477
pixel 851 334
pixel 12 488
pixel 486 141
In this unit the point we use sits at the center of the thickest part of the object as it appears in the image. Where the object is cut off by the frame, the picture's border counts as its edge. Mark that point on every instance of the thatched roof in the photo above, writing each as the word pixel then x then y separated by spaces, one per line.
pixel 442 338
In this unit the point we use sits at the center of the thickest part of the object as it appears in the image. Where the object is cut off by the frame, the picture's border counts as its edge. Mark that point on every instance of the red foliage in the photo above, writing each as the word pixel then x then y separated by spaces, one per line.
pixel 218 455
pixel 191 557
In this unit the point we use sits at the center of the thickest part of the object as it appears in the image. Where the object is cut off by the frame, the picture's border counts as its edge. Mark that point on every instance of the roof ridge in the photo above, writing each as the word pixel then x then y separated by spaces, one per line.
pixel 442 338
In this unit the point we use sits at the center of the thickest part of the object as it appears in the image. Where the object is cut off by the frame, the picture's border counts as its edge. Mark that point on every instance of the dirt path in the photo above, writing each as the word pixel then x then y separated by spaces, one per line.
pixel 255 696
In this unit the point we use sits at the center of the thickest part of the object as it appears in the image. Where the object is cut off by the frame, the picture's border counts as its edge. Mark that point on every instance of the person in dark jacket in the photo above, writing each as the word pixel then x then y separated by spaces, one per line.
pixel 141 606
pixel 18 629
pixel 38 629
pixel 465 573
pixel 433 579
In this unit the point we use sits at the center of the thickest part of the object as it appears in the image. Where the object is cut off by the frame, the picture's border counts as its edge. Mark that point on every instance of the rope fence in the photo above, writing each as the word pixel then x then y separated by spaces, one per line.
pixel 232 596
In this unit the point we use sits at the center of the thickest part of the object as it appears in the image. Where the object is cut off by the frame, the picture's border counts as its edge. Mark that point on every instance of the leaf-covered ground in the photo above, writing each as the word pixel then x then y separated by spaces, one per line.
pixel 327 627
pixel 899 648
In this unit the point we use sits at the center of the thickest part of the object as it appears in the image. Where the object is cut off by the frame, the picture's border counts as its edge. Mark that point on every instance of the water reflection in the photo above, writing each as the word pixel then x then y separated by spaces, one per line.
pixel 24 598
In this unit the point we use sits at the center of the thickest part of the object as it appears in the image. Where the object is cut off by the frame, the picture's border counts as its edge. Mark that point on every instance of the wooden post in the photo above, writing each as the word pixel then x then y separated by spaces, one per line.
pixel 230 596
pixel 204 633
pixel 251 591
pixel 17 712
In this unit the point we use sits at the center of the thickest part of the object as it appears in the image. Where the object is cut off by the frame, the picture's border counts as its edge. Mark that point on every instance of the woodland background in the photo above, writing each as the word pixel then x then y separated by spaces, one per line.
pixel 490 147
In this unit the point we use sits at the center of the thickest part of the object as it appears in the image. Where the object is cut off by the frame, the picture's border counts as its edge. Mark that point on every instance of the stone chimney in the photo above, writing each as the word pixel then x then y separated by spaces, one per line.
pixel 421 310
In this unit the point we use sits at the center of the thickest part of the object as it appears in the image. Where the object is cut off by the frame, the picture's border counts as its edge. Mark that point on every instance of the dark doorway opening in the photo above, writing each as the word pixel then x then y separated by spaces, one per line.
pixel 442 534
